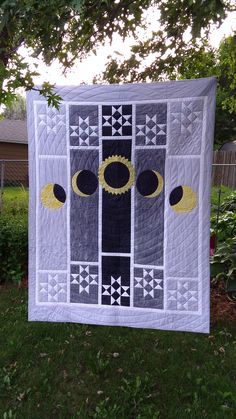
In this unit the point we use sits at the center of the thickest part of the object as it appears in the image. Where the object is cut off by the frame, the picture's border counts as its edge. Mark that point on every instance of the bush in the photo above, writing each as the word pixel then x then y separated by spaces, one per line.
pixel 13 248
pixel 223 266
pixel 226 225
pixel 223 262
pixel 230 203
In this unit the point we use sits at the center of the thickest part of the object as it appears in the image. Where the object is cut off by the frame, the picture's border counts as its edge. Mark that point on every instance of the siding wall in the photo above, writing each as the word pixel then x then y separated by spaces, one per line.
pixel 15 173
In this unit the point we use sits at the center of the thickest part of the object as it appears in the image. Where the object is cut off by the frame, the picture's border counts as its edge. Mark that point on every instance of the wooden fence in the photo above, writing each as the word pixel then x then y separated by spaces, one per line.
pixel 224 169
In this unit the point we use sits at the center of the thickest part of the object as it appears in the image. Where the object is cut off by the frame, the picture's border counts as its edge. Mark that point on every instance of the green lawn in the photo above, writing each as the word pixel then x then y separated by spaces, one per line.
pixel 50 370
pixel 15 200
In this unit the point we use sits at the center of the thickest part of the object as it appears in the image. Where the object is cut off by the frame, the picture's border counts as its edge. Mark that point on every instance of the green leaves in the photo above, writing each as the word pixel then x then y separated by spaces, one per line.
pixel 223 263
pixel 52 98
pixel 57 30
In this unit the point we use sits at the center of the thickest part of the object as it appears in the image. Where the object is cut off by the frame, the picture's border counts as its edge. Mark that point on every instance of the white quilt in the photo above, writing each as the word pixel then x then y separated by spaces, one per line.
pixel 119 205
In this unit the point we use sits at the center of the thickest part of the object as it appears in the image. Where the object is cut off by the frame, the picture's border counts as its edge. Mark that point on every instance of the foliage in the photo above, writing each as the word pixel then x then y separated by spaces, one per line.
pixel 225 193
pixel 16 109
pixel 57 29
pixel 226 226
pixel 50 370
pixel 184 59
pixel 223 265
pixel 69 29
pixel 15 201
pixel 230 203
pixel 13 248
pixel 223 262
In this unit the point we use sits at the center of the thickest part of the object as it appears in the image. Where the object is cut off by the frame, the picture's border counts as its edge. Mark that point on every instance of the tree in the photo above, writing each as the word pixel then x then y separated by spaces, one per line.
pixel 186 60
pixel 57 29
pixel 16 109
pixel 69 29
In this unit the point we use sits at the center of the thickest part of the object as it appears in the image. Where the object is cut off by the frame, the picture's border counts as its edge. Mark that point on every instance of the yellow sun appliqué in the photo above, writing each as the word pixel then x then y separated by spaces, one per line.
pixel 101 174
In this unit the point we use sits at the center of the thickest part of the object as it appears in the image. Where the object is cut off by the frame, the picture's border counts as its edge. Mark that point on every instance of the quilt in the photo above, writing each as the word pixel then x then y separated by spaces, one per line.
pixel 119 204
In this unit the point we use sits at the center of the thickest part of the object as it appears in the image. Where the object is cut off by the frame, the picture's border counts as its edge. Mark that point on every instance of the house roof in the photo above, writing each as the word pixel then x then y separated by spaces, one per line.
pixel 229 146
pixel 13 131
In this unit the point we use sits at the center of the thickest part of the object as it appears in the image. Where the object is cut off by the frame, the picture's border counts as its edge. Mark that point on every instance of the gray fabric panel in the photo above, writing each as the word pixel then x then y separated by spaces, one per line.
pixel 84 211
pixel 83 121
pixel 148 288
pixel 52 223
pixel 181 253
pixel 84 284
pixel 51 129
pixel 149 212
pixel 151 124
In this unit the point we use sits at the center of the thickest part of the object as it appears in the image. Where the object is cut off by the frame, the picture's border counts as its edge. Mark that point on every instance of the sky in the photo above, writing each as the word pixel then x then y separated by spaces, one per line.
pixel 95 64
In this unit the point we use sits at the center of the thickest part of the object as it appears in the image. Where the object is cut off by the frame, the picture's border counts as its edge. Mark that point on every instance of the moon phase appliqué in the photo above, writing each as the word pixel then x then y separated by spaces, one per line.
pixel 84 183
pixel 183 199
pixel 150 183
pixel 53 196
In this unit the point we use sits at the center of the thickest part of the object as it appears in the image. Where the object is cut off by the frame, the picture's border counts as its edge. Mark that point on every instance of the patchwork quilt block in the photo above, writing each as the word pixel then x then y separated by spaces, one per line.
pixel 119 205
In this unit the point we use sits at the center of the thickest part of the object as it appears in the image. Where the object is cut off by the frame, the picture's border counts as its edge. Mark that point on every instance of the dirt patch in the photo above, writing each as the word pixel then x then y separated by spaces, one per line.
pixel 221 307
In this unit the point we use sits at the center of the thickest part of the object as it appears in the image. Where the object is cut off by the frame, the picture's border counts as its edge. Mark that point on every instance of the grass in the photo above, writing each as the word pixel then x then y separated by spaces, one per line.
pixel 15 200
pixel 50 370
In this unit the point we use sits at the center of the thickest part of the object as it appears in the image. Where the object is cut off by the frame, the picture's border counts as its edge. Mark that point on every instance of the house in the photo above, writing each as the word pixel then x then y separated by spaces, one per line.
pixel 14 149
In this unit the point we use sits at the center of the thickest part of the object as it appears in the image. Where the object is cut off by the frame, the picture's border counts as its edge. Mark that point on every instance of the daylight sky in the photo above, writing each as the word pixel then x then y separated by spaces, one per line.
pixel 93 65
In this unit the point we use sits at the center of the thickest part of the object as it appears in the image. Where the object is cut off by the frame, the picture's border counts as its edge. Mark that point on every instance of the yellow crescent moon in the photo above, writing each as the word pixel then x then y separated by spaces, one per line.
pixel 160 185
pixel 75 187
pixel 48 198
pixel 188 201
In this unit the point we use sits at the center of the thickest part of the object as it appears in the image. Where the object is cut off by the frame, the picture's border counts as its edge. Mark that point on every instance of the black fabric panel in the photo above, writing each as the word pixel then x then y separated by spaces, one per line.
pixel 116 209
pixel 116 267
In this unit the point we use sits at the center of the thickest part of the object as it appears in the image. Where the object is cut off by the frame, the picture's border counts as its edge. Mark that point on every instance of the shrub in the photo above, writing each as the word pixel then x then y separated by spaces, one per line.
pixel 223 262
pixel 226 225
pixel 13 248
pixel 223 266
pixel 229 204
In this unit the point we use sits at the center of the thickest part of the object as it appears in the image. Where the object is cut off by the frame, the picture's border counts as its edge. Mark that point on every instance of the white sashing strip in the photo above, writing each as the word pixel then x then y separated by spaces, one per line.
pixel 138 265
pixel 132 208
pixel 100 210
pixel 37 203
pixel 200 194
pixel 146 147
pixel 82 262
pixel 68 201
pixel 52 156
pixel 166 203
pixel 83 147
pixel 51 271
